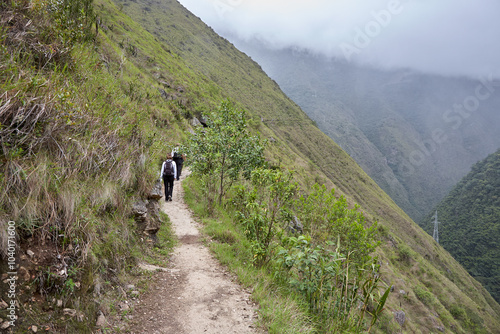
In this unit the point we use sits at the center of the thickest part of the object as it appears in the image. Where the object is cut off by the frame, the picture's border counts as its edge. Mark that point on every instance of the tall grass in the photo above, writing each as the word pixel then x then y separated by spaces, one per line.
pixel 74 151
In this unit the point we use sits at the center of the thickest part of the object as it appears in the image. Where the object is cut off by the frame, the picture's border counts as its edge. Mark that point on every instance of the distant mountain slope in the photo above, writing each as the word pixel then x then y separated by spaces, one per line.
pixel 470 222
pixel 403 128
pixel 194 68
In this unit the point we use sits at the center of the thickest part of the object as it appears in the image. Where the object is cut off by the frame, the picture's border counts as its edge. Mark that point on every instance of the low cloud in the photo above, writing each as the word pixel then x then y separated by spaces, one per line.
pixel 448 37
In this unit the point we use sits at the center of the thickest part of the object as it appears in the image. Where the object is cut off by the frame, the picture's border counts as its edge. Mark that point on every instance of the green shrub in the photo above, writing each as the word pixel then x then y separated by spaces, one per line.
pixel 424 295
pixel 71 20
pixel 404 253
pixel 264 209
pixel 457 312
pixel 327 218
pixel 333 286
pixel 223 150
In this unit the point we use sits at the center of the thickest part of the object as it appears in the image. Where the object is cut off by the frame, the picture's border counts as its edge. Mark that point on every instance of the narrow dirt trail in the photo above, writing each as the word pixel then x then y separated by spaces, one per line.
pixel 196 294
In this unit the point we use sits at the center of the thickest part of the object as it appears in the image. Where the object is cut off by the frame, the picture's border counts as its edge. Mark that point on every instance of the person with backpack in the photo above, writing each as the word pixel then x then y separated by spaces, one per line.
pixel 169 174
pixel 178 159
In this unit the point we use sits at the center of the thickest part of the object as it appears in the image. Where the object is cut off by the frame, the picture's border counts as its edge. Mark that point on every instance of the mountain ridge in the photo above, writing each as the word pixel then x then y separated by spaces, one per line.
pixel 469 224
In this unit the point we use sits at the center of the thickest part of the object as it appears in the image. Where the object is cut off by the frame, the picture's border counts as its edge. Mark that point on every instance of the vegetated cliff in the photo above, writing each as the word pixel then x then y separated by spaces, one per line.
pixel 415 134
pixel 115 105
pixel 469 218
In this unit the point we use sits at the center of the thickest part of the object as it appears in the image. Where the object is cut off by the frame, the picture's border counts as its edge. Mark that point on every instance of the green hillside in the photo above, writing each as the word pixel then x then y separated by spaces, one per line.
pixel 87 113
pixel 470 223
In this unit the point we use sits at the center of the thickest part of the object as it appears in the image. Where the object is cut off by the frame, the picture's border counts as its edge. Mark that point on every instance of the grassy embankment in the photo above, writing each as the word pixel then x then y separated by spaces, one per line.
pixel 79 145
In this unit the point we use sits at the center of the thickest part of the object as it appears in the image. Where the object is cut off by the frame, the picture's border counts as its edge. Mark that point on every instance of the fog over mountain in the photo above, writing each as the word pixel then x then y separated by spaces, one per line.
pixel 447 37
pixel 382 78
pixel 415 134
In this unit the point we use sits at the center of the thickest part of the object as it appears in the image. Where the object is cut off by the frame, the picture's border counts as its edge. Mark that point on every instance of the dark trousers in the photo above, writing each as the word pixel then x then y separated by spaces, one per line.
pixel 178 162
pixel 168 181
pixel 179 170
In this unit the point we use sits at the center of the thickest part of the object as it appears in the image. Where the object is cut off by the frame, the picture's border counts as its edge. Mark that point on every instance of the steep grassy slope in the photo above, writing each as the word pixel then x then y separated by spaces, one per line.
pixel 115 109
pixel 470 222
pixel 411 259
pixel 79 145
pixel 416 135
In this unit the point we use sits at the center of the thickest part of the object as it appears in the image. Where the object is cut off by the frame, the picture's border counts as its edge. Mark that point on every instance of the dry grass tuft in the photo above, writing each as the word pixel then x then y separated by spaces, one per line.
pixel 31 35
pixel 3 239
pixel 67 201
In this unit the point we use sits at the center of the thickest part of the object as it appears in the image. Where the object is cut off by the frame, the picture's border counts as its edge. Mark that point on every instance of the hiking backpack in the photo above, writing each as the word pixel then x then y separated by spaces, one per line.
pixel 168 170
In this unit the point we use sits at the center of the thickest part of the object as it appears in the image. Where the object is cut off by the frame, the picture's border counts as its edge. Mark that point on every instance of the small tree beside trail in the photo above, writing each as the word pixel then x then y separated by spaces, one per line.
pixel 223 151
pixel 263 209
pixel 328 219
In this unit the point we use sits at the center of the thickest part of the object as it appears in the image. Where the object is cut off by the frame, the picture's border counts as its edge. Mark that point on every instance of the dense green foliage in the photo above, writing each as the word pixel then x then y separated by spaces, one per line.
pixel 470 223
pixel 70 21
pixel 264 209
pixel 334 279
pixel 224 150
pixel 328 218
pixel 338 291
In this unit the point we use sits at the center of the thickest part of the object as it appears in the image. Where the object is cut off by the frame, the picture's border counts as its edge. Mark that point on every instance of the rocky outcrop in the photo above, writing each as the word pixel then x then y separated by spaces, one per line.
pixel 295 226
pixel 146 213
pixel 153 207
pixel 195 122
pixel 400 317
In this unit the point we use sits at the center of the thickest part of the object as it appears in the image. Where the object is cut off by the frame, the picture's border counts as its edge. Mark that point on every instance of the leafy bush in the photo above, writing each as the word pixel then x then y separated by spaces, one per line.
pixel 224 150
pixel 71 20
pixel 331 283
pixel 264 208
pixel 404 253
pixel 458 312
pixel 424 295
pixel 327 218
pixel 331 267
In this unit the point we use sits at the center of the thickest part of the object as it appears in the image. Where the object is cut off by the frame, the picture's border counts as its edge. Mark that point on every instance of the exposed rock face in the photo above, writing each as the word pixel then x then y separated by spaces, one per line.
pixel 163 93
pixel 195 122
pixel 400 317
pixel 156 193
pixel 154 218
pixel 101 320
pixel 146 213
pixel 203 122
pixel 140 212
pixel 295 226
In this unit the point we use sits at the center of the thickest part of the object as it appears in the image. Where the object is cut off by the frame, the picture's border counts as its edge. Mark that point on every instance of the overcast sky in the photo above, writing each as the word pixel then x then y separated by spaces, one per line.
pixel 451 37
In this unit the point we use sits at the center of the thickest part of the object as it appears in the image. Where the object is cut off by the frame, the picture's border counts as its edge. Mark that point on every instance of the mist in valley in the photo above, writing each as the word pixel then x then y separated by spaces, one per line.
pixel 410 89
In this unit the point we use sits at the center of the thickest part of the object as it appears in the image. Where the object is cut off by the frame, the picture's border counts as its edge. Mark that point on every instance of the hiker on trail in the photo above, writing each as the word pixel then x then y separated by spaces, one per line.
pixel 168 173
pixel 178 158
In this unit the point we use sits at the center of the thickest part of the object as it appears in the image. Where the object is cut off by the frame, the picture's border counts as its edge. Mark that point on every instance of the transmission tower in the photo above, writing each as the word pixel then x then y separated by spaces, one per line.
pixel 435 235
